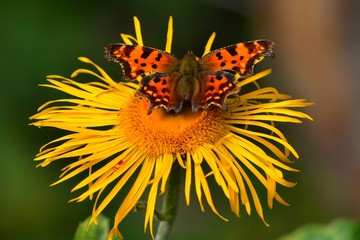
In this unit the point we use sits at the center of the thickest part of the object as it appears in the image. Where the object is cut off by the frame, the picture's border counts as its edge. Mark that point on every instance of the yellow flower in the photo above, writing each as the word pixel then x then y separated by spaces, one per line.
pixel 112 137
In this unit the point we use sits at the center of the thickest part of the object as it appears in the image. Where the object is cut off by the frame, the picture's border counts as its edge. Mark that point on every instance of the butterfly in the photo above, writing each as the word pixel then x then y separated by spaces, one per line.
pixel 207 81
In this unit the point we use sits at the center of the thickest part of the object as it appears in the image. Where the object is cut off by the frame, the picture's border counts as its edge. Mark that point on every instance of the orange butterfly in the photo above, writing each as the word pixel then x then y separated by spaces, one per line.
pixel 167 82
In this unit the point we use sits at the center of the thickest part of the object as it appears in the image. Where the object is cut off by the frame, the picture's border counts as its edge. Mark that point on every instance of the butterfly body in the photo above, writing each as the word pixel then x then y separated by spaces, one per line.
pixel 168 82
pixel 188 73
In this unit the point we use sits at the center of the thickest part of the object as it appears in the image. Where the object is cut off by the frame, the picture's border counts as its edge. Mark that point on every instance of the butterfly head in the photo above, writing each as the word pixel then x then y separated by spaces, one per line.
pixel 189 64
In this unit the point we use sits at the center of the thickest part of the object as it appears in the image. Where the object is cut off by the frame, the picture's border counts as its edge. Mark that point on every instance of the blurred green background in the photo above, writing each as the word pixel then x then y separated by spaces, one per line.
pixel 317 52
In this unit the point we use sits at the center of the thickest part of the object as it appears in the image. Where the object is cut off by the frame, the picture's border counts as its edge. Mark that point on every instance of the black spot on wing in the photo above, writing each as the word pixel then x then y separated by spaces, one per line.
pixel 219 76
pixel 219 56
pixel 157 78
pixel 250 46
pixel 146 53
pixel 128 49
pixel 211 88
pixel 159 56
pixel 139 72
pixel 264 43
pixel 232 50
pixel 236 69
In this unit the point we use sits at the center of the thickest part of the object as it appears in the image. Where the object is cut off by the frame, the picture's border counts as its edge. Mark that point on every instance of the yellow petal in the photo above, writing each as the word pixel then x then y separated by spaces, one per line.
pixel 169 35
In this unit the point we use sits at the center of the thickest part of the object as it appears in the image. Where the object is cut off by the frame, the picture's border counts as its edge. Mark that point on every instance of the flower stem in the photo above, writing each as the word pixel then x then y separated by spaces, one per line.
pixel 170 202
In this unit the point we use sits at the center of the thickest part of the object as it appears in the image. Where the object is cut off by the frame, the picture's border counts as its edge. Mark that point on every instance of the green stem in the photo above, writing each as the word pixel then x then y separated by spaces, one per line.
pixel 170 202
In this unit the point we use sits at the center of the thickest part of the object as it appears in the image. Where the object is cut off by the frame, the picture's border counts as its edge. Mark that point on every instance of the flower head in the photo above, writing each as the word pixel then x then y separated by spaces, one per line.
pixel 113 138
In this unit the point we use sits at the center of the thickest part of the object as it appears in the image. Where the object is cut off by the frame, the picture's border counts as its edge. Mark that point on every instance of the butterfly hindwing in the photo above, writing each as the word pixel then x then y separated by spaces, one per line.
pixel 137 60
pixel 240 58
pixel 213 90
pixel 160 90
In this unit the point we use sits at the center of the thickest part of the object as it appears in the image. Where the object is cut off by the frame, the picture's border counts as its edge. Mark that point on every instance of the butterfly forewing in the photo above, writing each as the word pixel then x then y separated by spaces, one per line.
pixel 167 82
pixel 137 60
pixel 239 58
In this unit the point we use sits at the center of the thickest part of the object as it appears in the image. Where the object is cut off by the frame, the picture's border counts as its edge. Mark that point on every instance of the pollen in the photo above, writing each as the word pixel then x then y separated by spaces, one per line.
pixel 161 132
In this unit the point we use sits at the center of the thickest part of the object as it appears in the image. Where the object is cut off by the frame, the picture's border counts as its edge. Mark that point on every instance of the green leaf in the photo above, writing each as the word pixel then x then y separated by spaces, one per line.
pixel 339 229
pixel 98 231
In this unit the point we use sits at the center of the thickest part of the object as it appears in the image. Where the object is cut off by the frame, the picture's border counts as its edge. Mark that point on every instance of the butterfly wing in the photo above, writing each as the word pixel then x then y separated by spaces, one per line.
pixel 213 89
pixel 240 57
pixel 160 90
pixel 137 60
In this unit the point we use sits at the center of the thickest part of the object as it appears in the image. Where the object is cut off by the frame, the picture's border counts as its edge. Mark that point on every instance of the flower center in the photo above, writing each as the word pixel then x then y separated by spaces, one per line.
pixel 162 132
